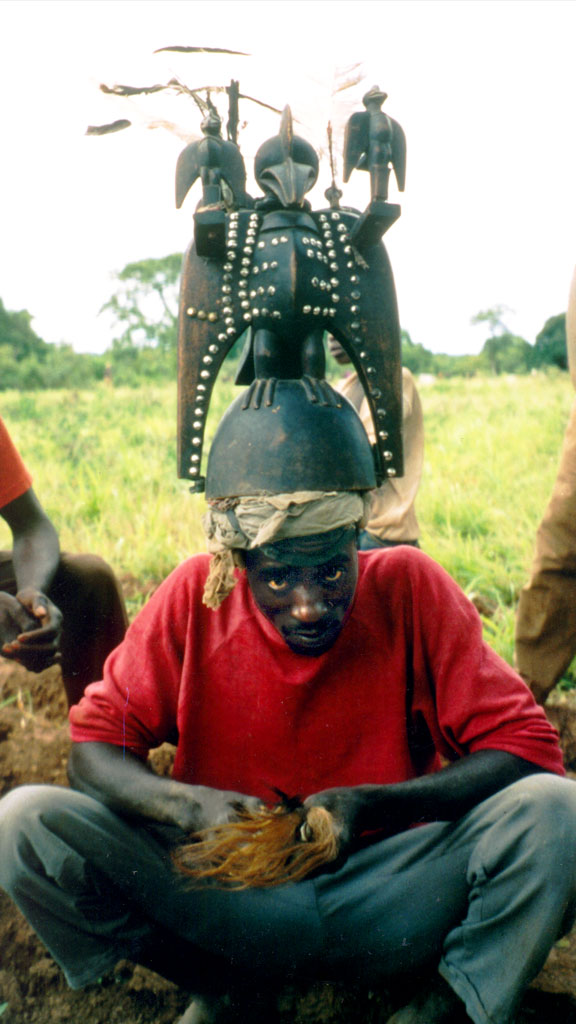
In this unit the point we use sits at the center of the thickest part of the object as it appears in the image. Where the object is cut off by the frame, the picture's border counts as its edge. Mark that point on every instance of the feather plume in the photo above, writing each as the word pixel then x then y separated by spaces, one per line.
pixel 200 49
pixel 264 848
pixel 131 90
pixel 107 129
pixel 330 100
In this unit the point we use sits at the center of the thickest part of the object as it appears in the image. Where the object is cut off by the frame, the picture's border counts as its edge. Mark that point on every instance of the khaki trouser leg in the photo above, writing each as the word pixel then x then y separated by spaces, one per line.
pixel 546 617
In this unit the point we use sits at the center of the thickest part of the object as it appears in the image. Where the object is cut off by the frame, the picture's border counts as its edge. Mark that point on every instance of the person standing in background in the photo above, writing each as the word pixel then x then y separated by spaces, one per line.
pixel 392 518
pixel 546 615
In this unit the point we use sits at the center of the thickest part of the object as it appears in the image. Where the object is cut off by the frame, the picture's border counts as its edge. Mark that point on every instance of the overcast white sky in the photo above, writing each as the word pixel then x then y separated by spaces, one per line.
pixel 484 89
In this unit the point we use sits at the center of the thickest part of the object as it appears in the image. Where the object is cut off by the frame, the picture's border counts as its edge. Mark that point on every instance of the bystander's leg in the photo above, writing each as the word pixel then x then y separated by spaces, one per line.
pixel 546 617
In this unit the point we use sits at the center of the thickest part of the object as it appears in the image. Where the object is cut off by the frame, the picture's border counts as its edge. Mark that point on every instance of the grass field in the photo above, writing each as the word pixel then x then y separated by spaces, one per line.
pixel 104 467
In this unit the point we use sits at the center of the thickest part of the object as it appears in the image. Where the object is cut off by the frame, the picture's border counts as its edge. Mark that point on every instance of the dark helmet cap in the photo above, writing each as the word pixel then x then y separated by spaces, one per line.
pixel 293 443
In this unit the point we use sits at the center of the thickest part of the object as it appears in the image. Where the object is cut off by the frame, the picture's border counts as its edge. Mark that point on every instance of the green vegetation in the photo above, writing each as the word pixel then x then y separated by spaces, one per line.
pixel 550 344
pixel 144 338
pixel 27 362
pixel 144 308
pixel 502 352
pixel 104 466
pixel 104 463
pixel 145 303
pixel 492 451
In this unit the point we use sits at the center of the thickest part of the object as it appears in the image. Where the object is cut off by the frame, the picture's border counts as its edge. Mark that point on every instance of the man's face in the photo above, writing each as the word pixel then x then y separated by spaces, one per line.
pixel 308 605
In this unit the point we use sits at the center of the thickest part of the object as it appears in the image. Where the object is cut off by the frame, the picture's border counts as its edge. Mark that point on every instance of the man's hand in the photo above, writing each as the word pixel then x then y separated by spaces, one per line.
pixel 122 781
pixel 30 627
pixel 349 809
pixel 210 807
pixel 442 796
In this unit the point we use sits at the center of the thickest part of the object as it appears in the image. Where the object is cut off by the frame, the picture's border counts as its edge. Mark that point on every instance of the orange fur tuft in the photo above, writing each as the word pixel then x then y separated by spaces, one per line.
pixel 262 849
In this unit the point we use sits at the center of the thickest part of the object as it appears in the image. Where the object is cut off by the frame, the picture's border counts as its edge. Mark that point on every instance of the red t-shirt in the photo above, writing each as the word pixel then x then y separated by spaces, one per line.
pixel 251 714
pixel 14 477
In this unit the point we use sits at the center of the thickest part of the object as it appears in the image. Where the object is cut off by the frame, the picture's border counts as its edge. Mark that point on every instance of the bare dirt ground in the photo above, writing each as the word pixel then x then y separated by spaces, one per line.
pixel 34 748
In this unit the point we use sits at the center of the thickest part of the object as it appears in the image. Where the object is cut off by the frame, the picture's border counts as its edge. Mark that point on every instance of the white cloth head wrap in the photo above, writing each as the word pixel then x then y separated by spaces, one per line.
pixel 242 524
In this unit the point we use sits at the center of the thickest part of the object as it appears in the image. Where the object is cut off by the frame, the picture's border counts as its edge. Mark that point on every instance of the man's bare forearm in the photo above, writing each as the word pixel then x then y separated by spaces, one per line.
pixel 447 795
pixel 123 782
pixel 442 796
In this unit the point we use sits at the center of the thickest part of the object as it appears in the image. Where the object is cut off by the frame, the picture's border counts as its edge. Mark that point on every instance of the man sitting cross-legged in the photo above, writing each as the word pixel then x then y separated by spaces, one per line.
pixel 342 677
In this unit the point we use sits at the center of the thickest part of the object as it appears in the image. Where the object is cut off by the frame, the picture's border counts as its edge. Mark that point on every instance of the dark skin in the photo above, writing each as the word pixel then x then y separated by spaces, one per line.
pixel 309 606
pixel 123 782
pixel 30 624
pixel 443 796
pixel 337 352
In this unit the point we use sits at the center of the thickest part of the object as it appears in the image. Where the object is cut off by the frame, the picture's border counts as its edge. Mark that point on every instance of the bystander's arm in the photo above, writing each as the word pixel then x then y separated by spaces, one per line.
pixel 30 622
pixel 35 547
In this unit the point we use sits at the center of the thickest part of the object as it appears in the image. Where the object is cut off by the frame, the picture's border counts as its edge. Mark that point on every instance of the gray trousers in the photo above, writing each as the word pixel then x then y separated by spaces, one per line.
pixel 482 899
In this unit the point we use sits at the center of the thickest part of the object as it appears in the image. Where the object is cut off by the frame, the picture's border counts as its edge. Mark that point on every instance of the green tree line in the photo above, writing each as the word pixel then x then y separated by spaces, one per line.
pixel 144 312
